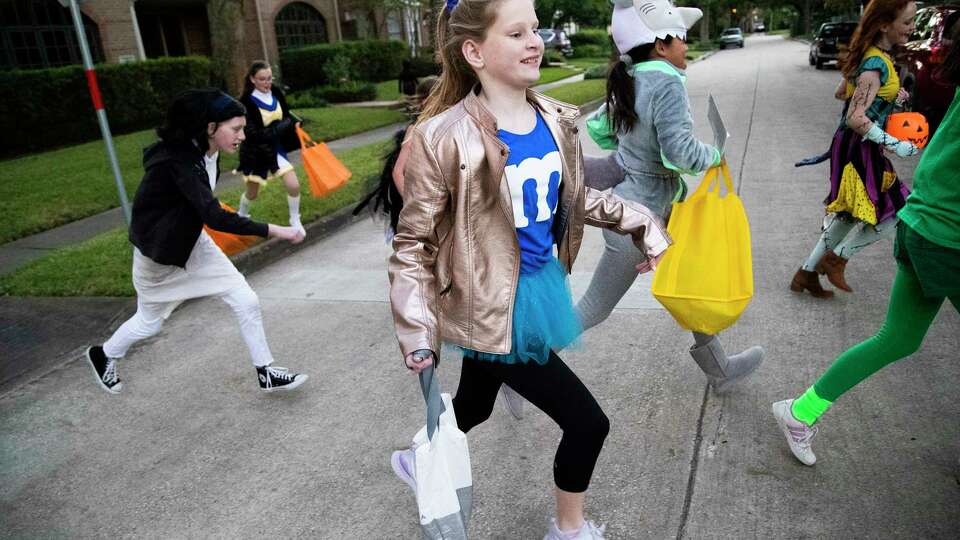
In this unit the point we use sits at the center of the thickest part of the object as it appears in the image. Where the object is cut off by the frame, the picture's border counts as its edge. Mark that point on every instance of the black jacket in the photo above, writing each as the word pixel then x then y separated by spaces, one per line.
pixel 173 203
pixel 258 153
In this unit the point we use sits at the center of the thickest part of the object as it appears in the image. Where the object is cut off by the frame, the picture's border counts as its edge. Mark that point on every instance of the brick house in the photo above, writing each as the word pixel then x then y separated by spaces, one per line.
pixel 39 33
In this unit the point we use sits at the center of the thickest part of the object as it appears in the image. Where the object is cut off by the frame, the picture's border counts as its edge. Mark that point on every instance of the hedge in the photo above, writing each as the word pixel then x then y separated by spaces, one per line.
pixel 47 108
pixel 590 36
pixel 590 51
pixel 319 65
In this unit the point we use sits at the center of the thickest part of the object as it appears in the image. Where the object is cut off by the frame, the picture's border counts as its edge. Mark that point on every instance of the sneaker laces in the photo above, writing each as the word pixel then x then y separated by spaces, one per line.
pixel 280 373
pixel 805 436
pixel 594 530
pixel 110 372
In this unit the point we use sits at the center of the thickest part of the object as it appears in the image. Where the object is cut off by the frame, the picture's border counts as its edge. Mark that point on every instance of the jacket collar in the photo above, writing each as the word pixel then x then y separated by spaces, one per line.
pixel 546 105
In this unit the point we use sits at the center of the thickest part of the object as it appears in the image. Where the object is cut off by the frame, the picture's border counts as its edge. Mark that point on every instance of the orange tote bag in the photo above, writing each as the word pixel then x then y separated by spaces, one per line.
pixel 230 244
pixel 324 170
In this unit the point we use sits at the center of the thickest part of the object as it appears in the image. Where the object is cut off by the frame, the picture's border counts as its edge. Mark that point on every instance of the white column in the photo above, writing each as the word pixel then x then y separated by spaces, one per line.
pixel 141 54
pixel 263 41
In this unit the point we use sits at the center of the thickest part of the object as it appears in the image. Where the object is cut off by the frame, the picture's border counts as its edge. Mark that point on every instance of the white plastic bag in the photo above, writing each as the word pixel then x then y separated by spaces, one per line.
pixel 444 481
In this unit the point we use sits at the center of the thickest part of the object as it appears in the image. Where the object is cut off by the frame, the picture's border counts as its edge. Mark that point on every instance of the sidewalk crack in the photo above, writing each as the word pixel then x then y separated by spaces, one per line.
pixel 694 464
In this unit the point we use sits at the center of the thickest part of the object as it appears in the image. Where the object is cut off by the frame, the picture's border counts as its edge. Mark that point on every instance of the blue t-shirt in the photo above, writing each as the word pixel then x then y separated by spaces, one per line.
pixel 533 173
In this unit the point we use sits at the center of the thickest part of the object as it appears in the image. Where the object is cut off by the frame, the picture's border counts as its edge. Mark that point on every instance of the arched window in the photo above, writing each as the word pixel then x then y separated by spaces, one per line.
pixel 299 24
pixel 40 34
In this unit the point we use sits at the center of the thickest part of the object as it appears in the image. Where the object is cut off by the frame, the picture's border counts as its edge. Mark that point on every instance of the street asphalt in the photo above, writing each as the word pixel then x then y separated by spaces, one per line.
pixel 191 448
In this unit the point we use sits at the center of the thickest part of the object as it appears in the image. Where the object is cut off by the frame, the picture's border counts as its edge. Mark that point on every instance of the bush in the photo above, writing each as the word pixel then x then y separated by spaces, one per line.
pixel 590 51
pixel 52 107
pixel 596 72
pixel 551 56
pixel 306 99
pixel 590 36
pixel 347 92
pixel 331 63
pixel 424 65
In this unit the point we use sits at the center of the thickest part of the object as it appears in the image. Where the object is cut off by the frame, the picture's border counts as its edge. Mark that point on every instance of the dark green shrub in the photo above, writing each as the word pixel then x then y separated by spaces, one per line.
pixel 47 108
pixel 596 72
pixel 318 65
pixel 347 92
pixel 424 65
pixel 590 36
pixel 307 99
pixel 552 56
pixel 590 51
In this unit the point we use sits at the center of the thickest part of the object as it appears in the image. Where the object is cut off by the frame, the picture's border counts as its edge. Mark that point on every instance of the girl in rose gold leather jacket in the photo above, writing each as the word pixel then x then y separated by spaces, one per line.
pixel 493 181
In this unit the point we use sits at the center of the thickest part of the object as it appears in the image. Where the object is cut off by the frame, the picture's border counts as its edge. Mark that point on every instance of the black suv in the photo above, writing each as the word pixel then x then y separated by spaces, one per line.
pixel 830 41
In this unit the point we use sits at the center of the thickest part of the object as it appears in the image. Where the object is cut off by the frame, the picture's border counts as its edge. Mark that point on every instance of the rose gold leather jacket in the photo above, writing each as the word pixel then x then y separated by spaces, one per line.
pixel 456 260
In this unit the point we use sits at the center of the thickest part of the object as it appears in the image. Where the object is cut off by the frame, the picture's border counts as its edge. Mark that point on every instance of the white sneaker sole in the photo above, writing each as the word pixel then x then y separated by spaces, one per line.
pixel 778 414
pixel 116 388
pixel 301 378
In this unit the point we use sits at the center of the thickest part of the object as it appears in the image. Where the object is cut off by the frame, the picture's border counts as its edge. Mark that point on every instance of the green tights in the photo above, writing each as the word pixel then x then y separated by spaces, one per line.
pixel 909 316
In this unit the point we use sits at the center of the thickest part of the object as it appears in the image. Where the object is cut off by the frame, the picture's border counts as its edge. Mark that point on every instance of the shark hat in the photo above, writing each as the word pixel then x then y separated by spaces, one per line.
pixel 638 22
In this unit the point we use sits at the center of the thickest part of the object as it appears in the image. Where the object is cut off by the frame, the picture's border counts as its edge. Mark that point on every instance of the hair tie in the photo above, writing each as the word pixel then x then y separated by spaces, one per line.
pixel 451 4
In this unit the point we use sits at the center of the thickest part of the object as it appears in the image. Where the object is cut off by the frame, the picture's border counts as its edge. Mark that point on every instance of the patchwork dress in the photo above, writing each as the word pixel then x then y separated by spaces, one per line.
pixel 863 183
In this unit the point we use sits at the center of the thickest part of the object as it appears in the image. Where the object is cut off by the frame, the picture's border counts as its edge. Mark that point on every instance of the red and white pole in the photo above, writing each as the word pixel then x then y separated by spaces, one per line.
pixel 98 103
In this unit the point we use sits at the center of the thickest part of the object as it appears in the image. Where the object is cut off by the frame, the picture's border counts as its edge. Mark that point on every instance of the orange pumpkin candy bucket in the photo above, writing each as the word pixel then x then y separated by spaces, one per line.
pixel 909 126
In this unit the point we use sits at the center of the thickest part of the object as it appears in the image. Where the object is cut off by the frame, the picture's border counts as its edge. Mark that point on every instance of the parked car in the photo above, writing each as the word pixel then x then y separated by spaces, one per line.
pixel 556 40
pixel 758 26
pixel 830 42
pixel 732 37
pixel 919 61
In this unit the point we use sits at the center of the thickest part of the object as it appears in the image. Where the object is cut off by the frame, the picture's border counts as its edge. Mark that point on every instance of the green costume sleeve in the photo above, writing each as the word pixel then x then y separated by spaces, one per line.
pixel 600 130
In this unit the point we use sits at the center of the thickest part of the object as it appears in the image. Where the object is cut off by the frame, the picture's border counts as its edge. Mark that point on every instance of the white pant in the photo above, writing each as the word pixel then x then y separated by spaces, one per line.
pixel 161 288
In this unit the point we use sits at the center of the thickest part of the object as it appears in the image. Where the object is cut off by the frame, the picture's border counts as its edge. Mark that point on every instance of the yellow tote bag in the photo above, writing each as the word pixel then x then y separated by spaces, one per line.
pixel 705 280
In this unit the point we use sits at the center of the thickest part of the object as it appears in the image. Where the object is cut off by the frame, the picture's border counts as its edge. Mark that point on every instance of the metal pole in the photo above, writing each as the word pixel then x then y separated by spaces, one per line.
pixel 98 105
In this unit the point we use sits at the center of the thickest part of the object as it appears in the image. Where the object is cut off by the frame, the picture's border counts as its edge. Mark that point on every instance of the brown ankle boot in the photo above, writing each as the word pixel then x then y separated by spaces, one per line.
pixel 809 281
pixel 833 266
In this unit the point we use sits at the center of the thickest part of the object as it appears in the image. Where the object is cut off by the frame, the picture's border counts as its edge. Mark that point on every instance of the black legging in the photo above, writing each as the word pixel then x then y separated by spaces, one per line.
pixel 555 390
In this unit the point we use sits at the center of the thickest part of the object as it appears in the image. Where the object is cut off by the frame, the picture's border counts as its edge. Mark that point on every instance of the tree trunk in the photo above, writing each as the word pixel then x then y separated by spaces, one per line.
pixel 228 62
pixel 806 17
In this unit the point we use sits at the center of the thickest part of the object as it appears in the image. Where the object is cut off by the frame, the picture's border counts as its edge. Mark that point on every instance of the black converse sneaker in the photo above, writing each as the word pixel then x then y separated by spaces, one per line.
pixel 273 379
pixel 104 369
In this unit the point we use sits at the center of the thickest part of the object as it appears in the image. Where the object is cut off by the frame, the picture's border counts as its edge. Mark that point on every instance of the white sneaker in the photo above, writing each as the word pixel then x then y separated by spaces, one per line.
pixel 799 435
pixel 513 401
pixel 588 531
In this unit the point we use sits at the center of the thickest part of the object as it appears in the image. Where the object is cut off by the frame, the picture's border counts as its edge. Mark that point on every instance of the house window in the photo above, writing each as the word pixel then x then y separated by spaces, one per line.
pixel 299 24
pixel 40 34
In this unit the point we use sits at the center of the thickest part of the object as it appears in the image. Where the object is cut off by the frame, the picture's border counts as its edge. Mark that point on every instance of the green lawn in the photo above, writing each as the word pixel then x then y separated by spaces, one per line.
pixel 785 32
pixel 579 92
pixel 34 198
pixel 551 74
pixel 101 266
pixel 584 63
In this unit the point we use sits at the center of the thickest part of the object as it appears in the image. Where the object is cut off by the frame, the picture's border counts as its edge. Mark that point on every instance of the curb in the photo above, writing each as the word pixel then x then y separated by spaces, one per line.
pixel 274 249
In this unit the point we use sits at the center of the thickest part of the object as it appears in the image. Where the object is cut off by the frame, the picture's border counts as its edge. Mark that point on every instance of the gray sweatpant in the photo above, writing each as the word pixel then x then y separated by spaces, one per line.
pixel 617 270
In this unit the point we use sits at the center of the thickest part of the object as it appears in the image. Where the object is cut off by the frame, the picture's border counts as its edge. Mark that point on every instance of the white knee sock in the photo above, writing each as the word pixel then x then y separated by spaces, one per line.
pixel 244 210
pixel 294 204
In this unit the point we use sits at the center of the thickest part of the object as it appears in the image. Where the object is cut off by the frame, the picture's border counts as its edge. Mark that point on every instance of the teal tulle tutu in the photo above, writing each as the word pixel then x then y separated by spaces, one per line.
pixel 543 318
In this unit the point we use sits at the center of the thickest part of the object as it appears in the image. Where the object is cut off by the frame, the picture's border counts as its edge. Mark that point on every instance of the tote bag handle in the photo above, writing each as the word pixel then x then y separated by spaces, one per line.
pixel 431 395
